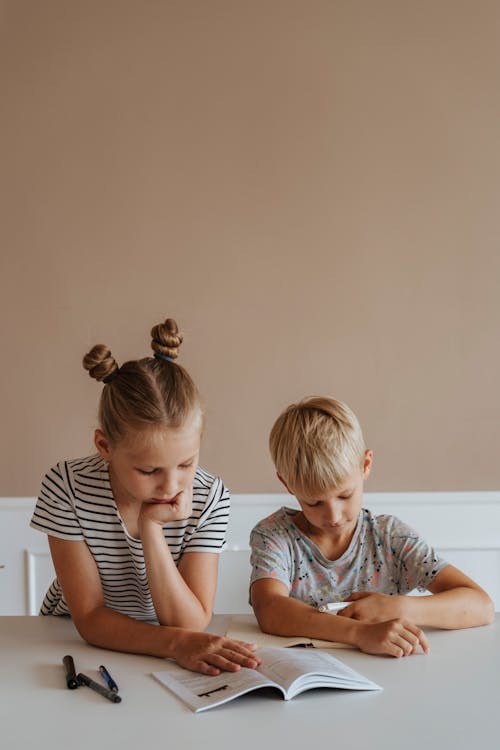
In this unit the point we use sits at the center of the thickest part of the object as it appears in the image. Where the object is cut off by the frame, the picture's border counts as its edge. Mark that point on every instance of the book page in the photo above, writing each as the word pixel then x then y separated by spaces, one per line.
pixel 299 670
pixel 200 691
pixel 246 628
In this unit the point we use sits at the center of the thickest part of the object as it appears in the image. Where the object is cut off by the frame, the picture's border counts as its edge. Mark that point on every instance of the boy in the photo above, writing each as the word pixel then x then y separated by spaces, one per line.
pixel 334 550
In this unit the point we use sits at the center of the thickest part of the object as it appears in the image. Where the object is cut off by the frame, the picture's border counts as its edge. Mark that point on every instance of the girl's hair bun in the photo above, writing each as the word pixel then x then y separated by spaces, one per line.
pixel 99 362
pixel 166 338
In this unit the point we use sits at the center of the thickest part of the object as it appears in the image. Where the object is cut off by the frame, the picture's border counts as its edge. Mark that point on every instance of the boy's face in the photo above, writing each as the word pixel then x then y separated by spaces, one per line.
pixel 336 511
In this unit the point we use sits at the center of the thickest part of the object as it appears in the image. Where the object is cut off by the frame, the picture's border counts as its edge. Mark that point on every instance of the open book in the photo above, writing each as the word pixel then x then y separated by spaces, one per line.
pixel 289 670
pixel 246 628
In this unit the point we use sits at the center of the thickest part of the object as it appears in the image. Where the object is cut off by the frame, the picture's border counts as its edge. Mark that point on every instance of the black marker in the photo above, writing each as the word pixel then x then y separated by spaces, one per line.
pixel 109 694
pixel 71 678
pixel 108 679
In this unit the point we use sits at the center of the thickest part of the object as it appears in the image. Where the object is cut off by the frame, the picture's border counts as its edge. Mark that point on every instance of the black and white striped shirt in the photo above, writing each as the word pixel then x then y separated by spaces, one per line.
pixel 76 503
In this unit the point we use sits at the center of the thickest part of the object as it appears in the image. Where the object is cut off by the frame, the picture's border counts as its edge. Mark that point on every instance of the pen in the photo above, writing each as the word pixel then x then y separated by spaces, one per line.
pixel 69 666
pixel 109 694
pixel 333 607
pixel 108 679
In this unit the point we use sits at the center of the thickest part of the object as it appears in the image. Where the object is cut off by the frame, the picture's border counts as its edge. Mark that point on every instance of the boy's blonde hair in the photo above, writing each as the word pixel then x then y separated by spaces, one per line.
pixel 315 444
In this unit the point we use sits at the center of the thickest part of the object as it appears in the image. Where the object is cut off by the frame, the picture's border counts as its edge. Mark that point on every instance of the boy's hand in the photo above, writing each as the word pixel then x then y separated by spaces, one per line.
pixel 373 607
pixel 394 638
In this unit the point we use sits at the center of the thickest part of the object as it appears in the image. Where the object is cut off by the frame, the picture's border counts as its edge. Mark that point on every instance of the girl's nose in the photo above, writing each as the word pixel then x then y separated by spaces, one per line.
pixel 167 486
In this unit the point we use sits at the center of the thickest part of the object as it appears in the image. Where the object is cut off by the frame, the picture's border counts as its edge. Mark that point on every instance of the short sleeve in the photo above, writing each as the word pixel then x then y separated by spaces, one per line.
pixel 54 512
pixel 212 511
pixel 269 557
pixel 416 562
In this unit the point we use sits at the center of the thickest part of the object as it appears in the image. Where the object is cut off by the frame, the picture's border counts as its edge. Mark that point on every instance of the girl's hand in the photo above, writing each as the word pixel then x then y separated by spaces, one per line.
pixel 394 638
pixel 373 607
pixel 211 654
pixel 177 509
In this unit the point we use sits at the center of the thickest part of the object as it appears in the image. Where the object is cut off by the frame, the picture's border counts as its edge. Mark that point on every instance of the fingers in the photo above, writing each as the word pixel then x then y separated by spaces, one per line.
pixel 358 595
pixel 407 638
pixel 395 638
pixel 242 659
pixel 212 654
pixel 350 612
pixel 249 646
pixel 241 653
pixel 229 661
pixel 420 636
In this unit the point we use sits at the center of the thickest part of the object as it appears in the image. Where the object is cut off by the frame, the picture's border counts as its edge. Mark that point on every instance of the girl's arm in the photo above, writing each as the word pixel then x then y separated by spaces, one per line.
pixel 182 595
pixel 100 626
pixel 279 614
pixel 456 602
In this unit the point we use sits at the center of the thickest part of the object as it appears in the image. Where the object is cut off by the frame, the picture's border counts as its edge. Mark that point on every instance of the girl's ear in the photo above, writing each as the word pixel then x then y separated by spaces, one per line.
pixel 102 444
pixel 367 463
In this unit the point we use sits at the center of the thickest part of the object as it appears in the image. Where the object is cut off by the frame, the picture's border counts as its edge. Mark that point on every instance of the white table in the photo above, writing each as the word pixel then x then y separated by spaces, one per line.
pixel 447 700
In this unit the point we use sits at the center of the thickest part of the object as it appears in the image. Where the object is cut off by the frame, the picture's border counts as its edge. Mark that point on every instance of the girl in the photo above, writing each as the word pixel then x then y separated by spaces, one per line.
pixel 135 530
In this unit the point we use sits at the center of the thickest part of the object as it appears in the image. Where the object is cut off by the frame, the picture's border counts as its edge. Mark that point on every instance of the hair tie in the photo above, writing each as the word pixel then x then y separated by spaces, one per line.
pixel 165 357
pixel 111 376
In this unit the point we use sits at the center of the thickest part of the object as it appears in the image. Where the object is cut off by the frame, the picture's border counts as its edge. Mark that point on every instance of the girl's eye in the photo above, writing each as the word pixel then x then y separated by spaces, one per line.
pixel 187 466
pixel 345 497
pixel 147 472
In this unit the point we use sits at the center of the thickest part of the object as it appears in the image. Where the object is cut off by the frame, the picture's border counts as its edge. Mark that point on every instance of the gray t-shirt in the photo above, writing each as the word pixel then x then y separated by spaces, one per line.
pixel 384 555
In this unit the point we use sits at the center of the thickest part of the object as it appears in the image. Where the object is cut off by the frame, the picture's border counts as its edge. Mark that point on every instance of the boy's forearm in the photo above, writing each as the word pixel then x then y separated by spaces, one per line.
pixel 290 617
pixel 114 631
pixel 453 609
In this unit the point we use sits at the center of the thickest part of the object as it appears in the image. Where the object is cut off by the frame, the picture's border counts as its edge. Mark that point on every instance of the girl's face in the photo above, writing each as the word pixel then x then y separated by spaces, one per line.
pixel 153 465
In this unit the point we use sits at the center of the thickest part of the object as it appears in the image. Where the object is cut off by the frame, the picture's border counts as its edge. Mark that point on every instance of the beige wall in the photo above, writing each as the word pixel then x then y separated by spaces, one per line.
pixel 311 188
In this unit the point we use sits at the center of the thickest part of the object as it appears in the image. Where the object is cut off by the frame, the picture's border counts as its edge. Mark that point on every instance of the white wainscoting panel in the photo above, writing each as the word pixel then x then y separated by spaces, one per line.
pixel 463 526
pixel 40 574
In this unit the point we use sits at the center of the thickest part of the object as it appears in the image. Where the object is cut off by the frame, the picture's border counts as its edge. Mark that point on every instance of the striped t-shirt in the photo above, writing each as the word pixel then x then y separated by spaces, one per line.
pixel 76 503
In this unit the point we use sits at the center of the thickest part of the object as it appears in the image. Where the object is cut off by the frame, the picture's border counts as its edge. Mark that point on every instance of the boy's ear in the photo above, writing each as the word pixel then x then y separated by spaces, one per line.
pixel 102 444
pixel 367 463
pixel 284 484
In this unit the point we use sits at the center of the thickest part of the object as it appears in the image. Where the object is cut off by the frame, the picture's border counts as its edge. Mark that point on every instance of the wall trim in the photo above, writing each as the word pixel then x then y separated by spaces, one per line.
pixel 374 499
pixel 371 499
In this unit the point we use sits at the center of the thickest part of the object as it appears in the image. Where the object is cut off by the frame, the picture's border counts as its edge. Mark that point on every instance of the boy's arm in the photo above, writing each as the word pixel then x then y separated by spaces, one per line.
pixel 456 602
pixel 100 626
pixel 279 614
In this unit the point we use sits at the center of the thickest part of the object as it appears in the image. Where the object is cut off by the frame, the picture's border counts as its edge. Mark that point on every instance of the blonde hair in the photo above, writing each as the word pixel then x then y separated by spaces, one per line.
pixel 315 444
pixel 153 391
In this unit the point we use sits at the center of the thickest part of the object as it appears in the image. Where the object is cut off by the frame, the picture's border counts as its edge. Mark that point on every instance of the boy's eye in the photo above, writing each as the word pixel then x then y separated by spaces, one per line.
pixel 186 466
pixel 147 472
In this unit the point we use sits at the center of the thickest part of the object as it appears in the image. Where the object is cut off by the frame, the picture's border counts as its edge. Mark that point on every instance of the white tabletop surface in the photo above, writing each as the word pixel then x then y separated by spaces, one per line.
pixel 449 699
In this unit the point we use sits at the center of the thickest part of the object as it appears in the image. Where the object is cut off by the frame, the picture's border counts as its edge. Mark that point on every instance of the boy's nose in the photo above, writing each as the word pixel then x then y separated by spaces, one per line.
pixel 333 515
